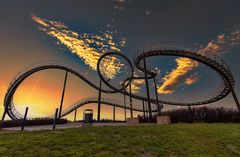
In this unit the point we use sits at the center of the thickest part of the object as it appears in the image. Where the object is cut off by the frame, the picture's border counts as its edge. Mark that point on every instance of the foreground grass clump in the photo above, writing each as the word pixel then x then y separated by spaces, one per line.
pixel 143 140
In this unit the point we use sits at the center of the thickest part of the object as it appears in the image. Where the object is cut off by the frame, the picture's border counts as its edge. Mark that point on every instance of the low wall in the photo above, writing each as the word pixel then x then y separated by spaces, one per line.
pixel 132 121
pixel 163 120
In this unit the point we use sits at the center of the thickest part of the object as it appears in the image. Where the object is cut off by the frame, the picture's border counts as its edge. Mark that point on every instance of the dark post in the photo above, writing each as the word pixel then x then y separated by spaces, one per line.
pixel 155 86
pixel 3 116
pixel 24 119
pixel 75 115
pixel 190 114
pixel 146 110
pixel 147 88
pixel 55 119
pixel 99 101
pixel 114 113
pixel 63 93
pixel 143 108
pixel 130 91
pixel 125 113
pixel 235 98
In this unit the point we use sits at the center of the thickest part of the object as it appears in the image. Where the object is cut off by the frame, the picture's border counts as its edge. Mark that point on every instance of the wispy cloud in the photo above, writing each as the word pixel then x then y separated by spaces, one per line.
pixel 191 79
pixel 88 47
pixel 224 42
pixel 178 75
pixel 136 85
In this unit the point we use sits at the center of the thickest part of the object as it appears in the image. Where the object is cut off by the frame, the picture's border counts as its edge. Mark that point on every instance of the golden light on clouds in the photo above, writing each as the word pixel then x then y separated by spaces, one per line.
pixel 178 75
pixel 191 80
pixel 88 47
pixel 224 42
pixel 171 80
pixel 136 85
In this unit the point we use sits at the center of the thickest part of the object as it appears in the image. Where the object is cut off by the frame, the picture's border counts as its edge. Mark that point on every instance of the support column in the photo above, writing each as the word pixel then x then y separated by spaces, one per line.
pixel 190 113
pixel 114 113
pixel 143 108
pixel 63 93
pixel 147 88
pixel 3 116
pixel 24 119
pixel 130 91
pixel 99 101
pixel 55 119
pixel 155 86
pixel 75 115
pixel 125 113
pixel 146 110
pixel 235 98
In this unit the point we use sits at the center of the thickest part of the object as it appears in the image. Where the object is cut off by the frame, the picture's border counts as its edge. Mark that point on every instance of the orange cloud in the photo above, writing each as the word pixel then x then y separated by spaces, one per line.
pixel 176 76
pixel 222 44
pixel 136 85
pixel 191 80
pixel 88 47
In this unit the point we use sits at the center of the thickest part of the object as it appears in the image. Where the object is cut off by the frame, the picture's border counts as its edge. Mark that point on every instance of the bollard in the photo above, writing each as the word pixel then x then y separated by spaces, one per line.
pixel 55 119
pixel 24 119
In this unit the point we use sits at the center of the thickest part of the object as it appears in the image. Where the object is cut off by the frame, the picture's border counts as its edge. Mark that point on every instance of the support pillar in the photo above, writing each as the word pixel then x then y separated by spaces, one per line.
pixel 235 98
pixel 155 86
pixel 114 111
pixel 147 88
pixel 55 119
pixel 99 101
pixel 63 93
pixel 146 110
pixel 3 116
pixel 143 109
pixel 75 115
pixel 130 91
pixel 24 119
pixel 190 114
pixel 125 113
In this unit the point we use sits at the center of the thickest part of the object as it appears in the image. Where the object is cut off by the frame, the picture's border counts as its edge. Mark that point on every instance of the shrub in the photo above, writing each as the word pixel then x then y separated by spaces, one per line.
pixel 204 114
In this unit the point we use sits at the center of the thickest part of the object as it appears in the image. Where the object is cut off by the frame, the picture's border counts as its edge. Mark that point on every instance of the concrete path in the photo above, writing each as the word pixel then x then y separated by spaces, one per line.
pixel 61 126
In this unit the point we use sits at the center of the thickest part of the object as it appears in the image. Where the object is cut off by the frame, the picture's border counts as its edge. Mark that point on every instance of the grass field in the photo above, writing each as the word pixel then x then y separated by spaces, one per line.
pixel 143 140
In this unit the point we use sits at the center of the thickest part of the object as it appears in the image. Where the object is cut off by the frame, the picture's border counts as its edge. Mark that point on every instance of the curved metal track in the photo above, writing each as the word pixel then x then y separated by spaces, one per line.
pixel 205 57
pixel 213 61
pixel 209 59
pixel 20 77
pixel 103 101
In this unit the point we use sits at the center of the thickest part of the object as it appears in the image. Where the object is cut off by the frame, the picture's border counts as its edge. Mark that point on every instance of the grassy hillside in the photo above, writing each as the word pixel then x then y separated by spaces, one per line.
pixel 144 141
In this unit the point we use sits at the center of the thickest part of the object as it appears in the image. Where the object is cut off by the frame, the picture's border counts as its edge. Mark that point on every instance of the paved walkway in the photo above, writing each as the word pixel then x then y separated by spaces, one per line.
pixel 61 126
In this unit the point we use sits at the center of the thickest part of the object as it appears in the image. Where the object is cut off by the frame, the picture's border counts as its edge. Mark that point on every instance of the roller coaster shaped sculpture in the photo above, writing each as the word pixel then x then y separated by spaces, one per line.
pixel 156 49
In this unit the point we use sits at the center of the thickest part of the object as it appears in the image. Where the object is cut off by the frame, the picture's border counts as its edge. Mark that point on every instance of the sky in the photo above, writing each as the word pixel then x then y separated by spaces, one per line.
pixel 79 32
